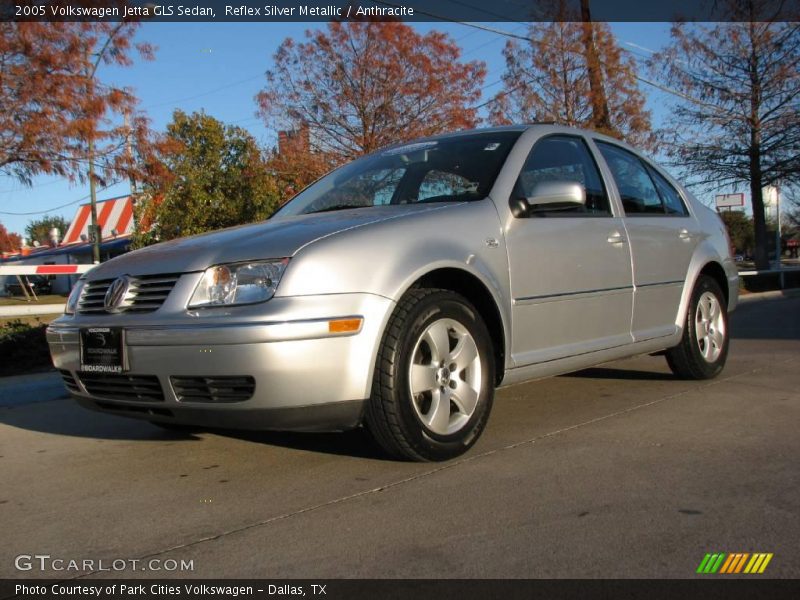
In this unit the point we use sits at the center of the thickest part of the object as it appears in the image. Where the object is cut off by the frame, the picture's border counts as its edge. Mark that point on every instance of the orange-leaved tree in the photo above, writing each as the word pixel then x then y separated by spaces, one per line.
pixel 574 74
pixel 359 86
pixel 9 242
pixel 55 109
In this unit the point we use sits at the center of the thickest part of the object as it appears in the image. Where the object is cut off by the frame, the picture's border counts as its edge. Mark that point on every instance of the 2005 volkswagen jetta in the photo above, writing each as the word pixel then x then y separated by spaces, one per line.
pixel 398 291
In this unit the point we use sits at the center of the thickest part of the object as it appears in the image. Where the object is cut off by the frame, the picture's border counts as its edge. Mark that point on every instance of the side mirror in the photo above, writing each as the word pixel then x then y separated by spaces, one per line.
pixel 556 195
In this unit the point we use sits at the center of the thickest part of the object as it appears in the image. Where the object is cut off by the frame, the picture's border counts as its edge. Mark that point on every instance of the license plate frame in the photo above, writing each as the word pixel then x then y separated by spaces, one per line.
pixel 102 350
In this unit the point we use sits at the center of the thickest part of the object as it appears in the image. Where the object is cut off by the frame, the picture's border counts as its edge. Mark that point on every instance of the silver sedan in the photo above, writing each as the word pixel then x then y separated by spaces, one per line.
pixel 400 290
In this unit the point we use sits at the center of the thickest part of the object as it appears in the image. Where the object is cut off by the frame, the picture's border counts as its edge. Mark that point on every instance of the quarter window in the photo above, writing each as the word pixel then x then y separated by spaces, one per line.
pixel 564 158
pixel 673 203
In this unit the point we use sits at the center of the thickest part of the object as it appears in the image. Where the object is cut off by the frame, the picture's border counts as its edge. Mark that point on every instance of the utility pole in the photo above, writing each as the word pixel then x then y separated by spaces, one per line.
pixel 95 233
pixel 129 153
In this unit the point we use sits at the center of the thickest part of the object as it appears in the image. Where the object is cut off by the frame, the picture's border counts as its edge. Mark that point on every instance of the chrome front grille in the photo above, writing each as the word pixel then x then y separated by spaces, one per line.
pixel 145 293
pixel 213 389
pixel 115 386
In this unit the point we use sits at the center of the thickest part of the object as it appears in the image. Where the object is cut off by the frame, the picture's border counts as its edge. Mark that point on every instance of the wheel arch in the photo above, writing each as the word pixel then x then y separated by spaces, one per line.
pixel 708 264
pixel 470 286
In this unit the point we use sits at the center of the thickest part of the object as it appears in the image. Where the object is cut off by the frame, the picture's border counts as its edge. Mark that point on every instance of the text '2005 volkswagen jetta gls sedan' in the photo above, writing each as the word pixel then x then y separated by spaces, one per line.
pixel 398 291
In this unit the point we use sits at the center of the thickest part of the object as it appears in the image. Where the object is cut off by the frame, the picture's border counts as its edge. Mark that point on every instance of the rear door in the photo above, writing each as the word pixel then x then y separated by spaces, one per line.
pixel 663 237
pixel 570 270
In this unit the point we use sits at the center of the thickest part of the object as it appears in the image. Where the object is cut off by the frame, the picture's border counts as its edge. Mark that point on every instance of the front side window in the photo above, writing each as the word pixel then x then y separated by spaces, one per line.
pixel 564 158
pixel 452 169
pixel 636 189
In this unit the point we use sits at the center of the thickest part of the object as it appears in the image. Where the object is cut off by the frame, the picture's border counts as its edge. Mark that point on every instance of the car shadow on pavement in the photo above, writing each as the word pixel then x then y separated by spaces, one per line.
pixel 73 421
pixel 62 417
pixel 356 443
pixel 624 374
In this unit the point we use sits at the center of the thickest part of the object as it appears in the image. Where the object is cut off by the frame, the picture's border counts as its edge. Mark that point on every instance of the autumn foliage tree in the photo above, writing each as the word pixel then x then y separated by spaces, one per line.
pixel 547 78
pixel 208 176
pixel 359 86
pixel 9 242
pixel 740 124
pixel 54 108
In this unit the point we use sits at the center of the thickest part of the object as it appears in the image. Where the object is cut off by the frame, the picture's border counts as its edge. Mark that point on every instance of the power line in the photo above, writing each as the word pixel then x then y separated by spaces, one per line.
pixel 42 212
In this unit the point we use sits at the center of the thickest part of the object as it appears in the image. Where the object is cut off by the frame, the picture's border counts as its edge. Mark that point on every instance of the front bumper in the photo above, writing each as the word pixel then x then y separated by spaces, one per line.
pixel 306 377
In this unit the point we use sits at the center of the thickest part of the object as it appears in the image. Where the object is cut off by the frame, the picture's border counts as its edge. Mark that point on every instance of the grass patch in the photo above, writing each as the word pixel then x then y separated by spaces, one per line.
pixel 23 346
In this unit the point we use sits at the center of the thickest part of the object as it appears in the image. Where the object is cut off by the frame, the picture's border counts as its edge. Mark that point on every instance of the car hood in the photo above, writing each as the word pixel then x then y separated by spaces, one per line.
pixel 277 238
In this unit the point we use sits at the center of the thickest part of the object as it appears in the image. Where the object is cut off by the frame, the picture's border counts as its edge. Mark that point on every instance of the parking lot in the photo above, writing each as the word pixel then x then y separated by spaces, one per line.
pixel 615 471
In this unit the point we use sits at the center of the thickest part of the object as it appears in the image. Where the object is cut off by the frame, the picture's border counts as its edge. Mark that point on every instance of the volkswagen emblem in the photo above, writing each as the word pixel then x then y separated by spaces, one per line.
pixel 115 296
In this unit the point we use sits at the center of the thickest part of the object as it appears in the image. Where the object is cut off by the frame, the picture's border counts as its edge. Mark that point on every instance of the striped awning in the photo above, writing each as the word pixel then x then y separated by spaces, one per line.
pixel 114 214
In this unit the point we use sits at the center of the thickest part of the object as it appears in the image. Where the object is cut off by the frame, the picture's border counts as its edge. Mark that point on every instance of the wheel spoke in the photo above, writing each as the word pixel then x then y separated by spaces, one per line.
pixel 718 338
pixel 438 339
pixel 703 308
pixel 713 311
pixel 465 352
pixel 465 397
pixel 422 378
pixel 707 346
pixel 438 417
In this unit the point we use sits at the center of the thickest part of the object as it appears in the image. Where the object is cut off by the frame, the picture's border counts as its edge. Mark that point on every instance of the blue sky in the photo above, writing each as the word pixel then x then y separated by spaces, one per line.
pixel 219 68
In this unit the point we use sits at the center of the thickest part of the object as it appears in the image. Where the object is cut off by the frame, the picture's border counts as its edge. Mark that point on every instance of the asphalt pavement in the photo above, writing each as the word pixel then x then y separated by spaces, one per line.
pixel 616 471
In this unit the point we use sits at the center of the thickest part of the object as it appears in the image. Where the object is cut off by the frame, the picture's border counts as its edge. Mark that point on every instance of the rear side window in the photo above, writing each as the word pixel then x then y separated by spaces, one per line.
pixel 564 158
pixel 673 203
pixel 644 193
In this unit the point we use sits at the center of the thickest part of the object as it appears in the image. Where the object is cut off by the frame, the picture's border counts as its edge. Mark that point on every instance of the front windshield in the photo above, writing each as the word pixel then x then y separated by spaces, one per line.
pixel 456 169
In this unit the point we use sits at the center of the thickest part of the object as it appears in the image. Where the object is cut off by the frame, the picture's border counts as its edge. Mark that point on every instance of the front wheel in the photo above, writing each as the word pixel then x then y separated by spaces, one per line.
pixel 434 378
pixel 704 345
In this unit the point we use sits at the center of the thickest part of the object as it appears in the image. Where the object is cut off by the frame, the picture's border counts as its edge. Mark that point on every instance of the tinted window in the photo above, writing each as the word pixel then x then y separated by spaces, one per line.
pixel 636 188
pixel 452 169
pixel 564 158
pixel 673 203
pixel 439 183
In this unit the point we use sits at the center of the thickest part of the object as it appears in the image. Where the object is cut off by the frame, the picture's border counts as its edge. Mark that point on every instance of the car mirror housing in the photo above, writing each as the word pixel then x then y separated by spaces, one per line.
pixel 556 195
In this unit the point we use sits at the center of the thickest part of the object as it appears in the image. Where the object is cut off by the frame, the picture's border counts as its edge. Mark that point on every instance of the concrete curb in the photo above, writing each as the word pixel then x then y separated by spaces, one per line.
pixel 20 310
pixel 772 295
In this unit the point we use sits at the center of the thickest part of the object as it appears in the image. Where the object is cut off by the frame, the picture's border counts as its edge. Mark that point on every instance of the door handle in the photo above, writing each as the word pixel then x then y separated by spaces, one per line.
pixel 616 238
pixel 685 235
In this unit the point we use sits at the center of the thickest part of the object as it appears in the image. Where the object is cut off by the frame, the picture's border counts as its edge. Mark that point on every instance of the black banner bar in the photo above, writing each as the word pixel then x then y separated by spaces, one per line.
pixel 729 588
pixel 402 10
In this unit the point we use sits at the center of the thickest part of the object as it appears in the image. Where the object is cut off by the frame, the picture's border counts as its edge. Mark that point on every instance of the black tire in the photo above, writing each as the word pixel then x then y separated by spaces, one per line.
pixel 392 417
pixel 686 359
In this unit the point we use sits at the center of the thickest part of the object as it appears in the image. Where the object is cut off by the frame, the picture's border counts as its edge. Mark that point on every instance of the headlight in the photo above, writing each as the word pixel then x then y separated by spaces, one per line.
pixel 240 283
pixel 74 297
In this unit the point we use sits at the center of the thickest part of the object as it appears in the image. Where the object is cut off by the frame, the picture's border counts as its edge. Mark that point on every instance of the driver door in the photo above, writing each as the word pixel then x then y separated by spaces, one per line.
pixel 570 270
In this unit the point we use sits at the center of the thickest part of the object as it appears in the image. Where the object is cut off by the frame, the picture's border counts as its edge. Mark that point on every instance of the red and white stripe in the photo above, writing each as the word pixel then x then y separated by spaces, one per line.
pixel 44 269
pixel 111 214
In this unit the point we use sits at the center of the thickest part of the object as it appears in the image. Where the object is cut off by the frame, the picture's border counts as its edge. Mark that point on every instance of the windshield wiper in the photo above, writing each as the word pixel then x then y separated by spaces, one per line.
pixel 336 207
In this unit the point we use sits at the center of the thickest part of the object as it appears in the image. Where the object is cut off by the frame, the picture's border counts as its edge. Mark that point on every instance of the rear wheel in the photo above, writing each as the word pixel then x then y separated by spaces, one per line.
pixel 434 378
pixel 704 346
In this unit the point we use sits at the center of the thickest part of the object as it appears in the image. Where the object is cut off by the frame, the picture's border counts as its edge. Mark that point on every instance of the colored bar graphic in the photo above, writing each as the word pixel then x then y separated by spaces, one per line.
pixel 733 563
pixel 727 564
pixel 740 564
pixel 703 563
pixel 715 567
pixel 764 564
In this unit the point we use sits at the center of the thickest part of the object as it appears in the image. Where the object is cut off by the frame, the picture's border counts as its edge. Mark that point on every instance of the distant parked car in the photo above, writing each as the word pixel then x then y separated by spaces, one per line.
pixel 739 258
pixel 399 290
pixel 39 284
